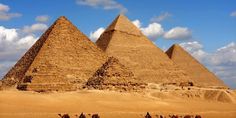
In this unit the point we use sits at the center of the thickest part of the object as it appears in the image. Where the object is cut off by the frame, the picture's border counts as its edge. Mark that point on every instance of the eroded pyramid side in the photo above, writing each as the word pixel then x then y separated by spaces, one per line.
pixel 115 76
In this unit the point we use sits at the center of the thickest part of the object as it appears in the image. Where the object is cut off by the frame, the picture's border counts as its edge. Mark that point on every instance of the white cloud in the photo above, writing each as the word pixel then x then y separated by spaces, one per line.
pixel 7 34
pixel 222 62
pixel 11 39
pixel 178 33
pixel 137 23
pixel 228 51
pixel 96 34
pixel 105 4
pixel 38 27
pixel 233 14
pixel 5 15
pixel 12 46
pixel 161 17
pixel 194 48
pixel 153 31
pixel 42 18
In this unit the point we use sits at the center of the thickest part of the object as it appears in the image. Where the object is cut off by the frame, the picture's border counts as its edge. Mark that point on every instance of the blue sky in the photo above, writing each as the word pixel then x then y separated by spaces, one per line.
pixel 205 28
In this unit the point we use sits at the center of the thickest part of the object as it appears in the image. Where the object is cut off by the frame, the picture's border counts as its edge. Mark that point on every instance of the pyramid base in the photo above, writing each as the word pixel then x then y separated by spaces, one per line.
pixel 117 86
pixel 44 87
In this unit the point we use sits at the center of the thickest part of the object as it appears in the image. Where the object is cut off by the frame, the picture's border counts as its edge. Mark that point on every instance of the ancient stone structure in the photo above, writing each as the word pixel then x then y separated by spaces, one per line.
pixel 115 76
pixel 123 40
pixel 62 59
pixel 200 74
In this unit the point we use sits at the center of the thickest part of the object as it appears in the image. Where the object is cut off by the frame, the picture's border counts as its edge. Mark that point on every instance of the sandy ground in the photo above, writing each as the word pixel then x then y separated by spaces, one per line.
pixel 107 104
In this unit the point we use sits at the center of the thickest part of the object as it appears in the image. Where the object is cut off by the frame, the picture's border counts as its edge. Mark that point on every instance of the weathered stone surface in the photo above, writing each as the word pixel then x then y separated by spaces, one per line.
pixel 115 76
pixel 62 59
pixel 197 72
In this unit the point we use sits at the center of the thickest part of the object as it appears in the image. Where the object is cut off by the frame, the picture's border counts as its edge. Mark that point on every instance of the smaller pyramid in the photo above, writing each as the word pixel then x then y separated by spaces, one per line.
pixel 197 72
pixel 113 75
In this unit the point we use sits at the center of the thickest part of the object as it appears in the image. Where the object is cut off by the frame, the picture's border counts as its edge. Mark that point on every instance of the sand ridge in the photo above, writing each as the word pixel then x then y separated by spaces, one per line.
pixel 106 104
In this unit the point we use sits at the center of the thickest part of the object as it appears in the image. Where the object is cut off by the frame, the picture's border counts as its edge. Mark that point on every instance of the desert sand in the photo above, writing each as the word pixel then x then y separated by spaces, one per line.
pixel 108 104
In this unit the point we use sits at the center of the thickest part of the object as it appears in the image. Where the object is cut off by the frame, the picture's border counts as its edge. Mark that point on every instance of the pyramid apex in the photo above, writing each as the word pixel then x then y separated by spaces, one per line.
pixel 62 24
pixel 175 45
pixel 121 16
pixel 170 51
pixel 62 18
pixel 123 24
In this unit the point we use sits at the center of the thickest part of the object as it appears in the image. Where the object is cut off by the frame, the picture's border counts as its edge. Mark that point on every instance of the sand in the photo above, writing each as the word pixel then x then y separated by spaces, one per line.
pixel 108 104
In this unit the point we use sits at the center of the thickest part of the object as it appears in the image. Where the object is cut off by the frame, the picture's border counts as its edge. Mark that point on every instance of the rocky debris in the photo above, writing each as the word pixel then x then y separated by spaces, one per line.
pixel 186 84
pixel 148 115
pixel 198 116
pixel 64 115
pixel 7 83
pixel 115 76
pixel 188 116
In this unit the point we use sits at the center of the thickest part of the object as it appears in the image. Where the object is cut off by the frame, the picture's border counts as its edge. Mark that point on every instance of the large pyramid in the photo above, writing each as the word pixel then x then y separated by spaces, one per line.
pixel 124 41
pixel 62 59
pixel 200 74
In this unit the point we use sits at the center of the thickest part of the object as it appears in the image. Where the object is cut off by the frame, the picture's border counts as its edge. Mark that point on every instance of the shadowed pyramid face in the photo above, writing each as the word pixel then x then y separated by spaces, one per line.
pixel 123 40
pixel 63 55
pixel 200 74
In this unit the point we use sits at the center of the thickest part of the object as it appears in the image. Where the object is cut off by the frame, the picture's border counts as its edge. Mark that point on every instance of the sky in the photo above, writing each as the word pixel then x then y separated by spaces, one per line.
pixel 205 28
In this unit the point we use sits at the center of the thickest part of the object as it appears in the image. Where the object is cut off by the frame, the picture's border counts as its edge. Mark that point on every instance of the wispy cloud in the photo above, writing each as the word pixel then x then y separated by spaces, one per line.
pixel 37 27
pixel 180 33
pixel 105 4
pixel 163 16
pixel 4 13
pixel 42 18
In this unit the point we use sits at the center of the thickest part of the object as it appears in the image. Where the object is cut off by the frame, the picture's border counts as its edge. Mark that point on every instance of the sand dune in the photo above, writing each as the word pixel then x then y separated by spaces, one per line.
pixel 107 104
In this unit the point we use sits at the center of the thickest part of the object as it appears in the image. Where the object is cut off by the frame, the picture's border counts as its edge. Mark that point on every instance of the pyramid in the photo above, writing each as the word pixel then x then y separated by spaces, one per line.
pixel 123 40
pixel 62 59
pixel 114 75
pixel 200 74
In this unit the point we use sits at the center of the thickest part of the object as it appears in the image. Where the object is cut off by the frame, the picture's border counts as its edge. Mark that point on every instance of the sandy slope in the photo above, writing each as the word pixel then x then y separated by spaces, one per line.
pixel 108 104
